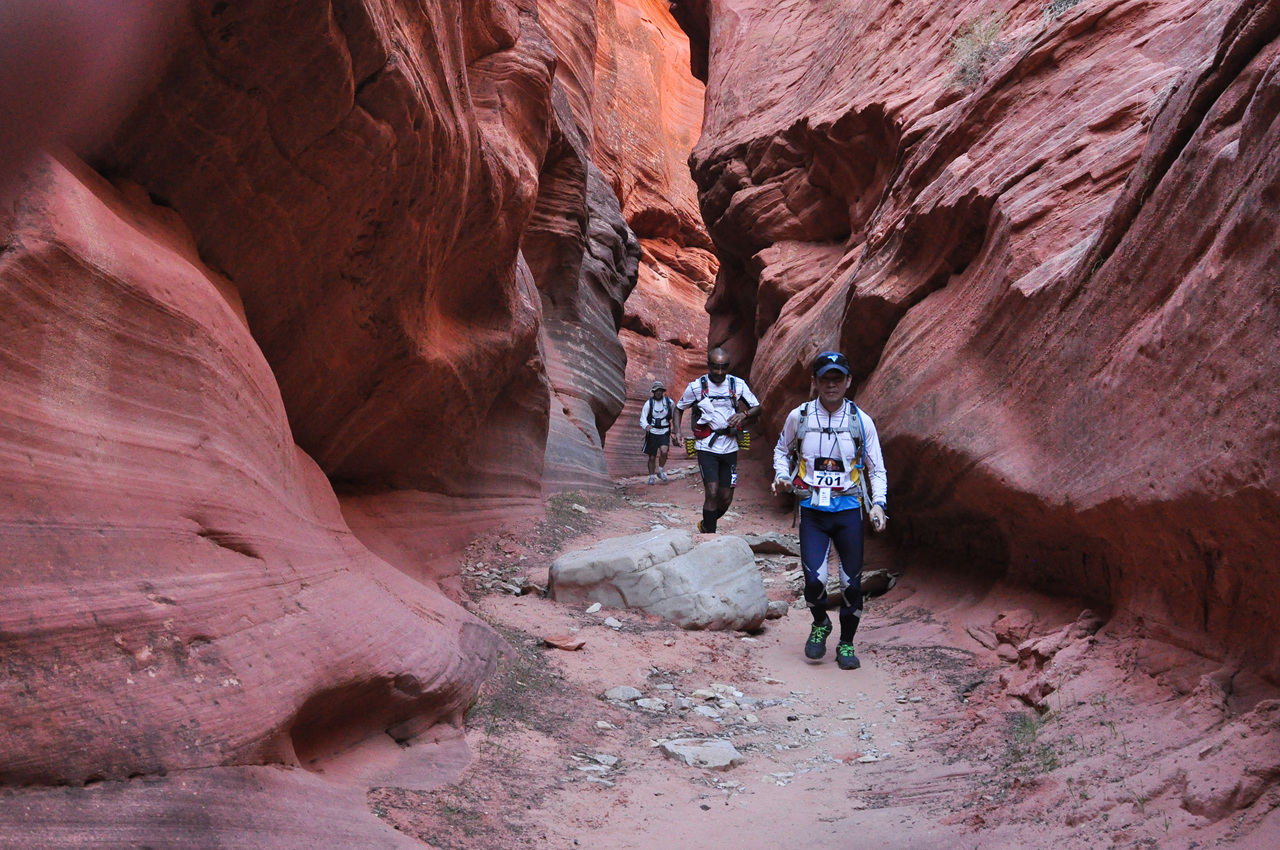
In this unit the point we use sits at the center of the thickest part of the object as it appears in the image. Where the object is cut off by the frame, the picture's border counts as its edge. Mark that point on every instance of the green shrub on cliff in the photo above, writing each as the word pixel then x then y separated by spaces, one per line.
pixel 1054 9
pixel 976 46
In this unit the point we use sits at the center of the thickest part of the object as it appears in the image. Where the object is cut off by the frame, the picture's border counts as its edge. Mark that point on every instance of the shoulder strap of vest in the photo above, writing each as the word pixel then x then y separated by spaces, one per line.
pixel 733 393
pixel 862 434
pixel 802 427
pixel 706 388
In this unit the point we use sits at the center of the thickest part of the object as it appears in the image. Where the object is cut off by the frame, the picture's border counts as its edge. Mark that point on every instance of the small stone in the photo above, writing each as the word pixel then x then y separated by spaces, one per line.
pixel 605 759
pixel 713 754
pixel 565 642
pixel 703 693
pixel 707 711
pixel 777 609
pixel 594 607
pixel 750 718
pixel 605 724
pixel 664 687
pixel 612 623
pixel 580 508
pixel 769 680
pixel 623 693
pixel 652 704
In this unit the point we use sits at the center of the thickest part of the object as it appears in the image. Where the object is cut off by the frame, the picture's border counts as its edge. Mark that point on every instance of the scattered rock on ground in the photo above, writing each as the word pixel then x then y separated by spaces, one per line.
pixel 713 754
pixel 622 693
pixel 878 582
pixel 713 586
pixel 571 643
pixel 773 543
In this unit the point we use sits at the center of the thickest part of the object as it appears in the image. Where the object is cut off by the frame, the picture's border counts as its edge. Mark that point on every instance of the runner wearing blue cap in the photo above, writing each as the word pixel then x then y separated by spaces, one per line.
pixel 829 454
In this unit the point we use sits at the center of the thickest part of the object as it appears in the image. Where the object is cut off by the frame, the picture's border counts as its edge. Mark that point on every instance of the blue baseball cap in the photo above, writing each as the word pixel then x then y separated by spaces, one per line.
pixel 829 361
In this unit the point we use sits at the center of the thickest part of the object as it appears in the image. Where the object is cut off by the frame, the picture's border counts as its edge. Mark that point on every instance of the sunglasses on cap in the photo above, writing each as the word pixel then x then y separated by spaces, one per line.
pixel 830 361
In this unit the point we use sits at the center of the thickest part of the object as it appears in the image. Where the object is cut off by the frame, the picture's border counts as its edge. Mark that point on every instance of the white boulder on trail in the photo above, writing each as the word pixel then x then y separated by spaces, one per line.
pixel 715 585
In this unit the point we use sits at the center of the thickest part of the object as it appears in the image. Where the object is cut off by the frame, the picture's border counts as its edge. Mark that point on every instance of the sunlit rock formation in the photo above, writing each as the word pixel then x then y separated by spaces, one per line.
pixel 647 117
pixel 1051 264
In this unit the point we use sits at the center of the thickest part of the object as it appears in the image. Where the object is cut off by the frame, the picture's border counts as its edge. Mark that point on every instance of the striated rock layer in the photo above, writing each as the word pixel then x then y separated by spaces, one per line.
pixel 646 120
pixel 181 591
pixel 358 246
pixel 1052 270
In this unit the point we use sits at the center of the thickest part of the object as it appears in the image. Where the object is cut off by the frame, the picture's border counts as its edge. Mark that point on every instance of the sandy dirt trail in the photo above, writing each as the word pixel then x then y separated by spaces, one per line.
pixel 920 748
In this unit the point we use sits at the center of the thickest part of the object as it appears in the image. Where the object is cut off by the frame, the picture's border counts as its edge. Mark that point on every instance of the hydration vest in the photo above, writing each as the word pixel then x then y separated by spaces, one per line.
pixel 859 448
pixel 703 431
pixel 661 421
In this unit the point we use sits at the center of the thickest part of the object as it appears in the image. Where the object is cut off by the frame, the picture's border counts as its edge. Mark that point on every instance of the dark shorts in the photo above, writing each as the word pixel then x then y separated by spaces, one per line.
pixel 722 469
pixel 654 442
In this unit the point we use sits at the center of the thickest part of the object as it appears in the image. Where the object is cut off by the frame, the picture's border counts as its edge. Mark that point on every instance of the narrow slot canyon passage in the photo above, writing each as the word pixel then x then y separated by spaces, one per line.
pixel 326 336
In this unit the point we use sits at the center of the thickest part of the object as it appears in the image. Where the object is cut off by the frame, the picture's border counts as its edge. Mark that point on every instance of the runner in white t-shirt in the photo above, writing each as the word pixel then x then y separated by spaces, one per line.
pixel 724 403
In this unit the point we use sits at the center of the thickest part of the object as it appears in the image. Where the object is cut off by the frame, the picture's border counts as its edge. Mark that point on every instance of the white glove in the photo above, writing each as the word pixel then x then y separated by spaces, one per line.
pixel 781 485
pixel 879 519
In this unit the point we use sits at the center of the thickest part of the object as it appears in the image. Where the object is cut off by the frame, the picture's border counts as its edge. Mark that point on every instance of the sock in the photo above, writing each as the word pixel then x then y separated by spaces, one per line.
pixel 709 521
pixel 848 627
pixel 721 512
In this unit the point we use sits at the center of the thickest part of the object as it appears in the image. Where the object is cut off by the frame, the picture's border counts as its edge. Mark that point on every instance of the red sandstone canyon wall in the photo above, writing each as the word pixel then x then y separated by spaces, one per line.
pixel 1055 278
pixel 181 591
pixel 647 119
pixel 357 248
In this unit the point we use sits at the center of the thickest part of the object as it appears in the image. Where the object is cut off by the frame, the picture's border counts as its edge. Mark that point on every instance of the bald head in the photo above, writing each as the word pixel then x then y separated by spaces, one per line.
pixel 717 364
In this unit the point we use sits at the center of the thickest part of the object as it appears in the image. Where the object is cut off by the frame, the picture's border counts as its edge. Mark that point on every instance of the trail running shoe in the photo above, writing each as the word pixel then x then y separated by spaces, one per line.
pixel 662 476
pixel 845 657
pixel 816 647
pixel 651 479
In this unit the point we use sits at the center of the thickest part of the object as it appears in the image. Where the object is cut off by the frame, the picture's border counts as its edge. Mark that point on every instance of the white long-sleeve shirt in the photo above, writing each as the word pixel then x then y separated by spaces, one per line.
pixel 835 436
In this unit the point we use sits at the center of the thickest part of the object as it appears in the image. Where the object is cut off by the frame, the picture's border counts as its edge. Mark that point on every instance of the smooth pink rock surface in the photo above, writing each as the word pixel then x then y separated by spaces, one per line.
pixel 1053 285
pixel 181 591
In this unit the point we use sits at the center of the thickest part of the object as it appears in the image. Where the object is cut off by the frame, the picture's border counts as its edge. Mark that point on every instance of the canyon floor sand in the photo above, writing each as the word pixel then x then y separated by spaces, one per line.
pixel 923 747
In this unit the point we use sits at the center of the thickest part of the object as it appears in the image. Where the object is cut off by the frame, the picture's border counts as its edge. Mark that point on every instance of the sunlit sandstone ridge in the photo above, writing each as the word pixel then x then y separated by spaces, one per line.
pixel 647 117
pixel 351 246
pixel 1057 284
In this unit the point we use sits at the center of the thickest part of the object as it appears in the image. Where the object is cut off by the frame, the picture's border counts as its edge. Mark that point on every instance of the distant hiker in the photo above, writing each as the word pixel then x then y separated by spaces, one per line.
pixel 722 404
pixel 827 453
pixel 655 419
